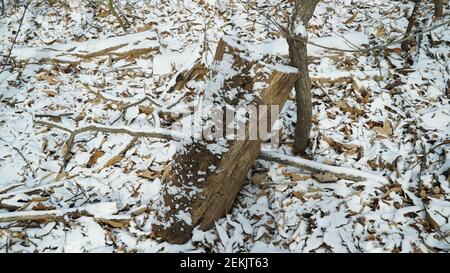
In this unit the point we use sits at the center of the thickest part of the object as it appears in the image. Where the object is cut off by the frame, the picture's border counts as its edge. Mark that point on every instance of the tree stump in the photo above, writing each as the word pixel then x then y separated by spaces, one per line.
pixel 206 174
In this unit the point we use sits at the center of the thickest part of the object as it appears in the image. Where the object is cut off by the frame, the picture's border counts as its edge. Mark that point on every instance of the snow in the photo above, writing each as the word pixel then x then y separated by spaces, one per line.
pixel 59 51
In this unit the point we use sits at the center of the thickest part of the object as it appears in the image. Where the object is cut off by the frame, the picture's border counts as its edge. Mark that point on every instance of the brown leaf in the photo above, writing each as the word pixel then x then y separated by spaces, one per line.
pixel 342 147
pixel 41 206
pixel 80 117
pixel 148 174
pixel 46 77
pixel 113 161
pixel 313 189
pixel 94 157
pixel 298 195
pixel 148 110
pixel 165 174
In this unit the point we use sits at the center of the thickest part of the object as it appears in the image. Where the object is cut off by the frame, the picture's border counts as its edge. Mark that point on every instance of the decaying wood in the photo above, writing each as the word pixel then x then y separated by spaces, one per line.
pixel 202 185
pixel 338 172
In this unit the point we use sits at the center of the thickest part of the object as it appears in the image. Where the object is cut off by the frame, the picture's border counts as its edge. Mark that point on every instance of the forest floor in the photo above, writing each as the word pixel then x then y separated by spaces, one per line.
pixel 386 112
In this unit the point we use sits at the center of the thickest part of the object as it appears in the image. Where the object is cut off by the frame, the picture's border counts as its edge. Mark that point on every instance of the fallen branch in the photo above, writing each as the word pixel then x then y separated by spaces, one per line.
pixel 339 172
pixel 17 34
pixel 36 215
pixel 29 190
pixel 58 214
pixel 151 133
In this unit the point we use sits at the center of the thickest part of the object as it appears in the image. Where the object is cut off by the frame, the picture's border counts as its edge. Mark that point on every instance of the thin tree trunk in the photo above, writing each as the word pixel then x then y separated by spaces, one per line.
pixel 298 55
pixel 438 8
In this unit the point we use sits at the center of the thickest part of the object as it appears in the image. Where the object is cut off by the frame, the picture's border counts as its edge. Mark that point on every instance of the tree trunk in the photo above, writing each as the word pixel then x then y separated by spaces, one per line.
pixel 205 176
pixel 303 12
pixel 438 8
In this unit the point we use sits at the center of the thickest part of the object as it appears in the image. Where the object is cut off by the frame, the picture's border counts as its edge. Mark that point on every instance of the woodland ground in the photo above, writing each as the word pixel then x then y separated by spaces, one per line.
pixel 385 112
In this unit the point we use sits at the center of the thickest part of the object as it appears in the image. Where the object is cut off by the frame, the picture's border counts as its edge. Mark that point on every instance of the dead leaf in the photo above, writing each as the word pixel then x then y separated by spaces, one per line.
pixel 80 117
pixel 386 129
pixel 41 206
pixel 296 176
pixel 148 110
pixel 94 157
pixel 298 195
pixel 313 189
pixel 165 174
pixel 50 93
pixel 348 148
pixel 148 174
pixel 342 104
pixel 423 194
pixel 47 77
pixel 325 177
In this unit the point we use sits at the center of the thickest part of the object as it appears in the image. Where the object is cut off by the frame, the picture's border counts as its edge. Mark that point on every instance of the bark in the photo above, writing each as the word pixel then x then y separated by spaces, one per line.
pixel 407 44
pixel 438 8
pixel 303 12
pixel 201 184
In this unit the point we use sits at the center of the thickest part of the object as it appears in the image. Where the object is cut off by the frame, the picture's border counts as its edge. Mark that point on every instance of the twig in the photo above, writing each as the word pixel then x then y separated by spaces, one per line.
pixel 52 115
pixel 114 12
pixel 146 98
pixel 431 150
pixel 31 190
pixel 286 34
pixel 23 157
pixel 125 107
pixel 425 200
pixel 121 153
pixel 382 46
pixel 15 37
pixel 151 133
pixel 11 187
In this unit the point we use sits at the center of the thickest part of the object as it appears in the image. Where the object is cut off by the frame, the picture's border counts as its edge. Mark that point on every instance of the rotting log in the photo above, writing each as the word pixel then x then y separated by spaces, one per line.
pixel 205 176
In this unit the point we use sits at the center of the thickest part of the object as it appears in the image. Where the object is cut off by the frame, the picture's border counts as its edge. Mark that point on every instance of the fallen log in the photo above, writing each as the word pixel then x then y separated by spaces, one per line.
pixel 205 175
